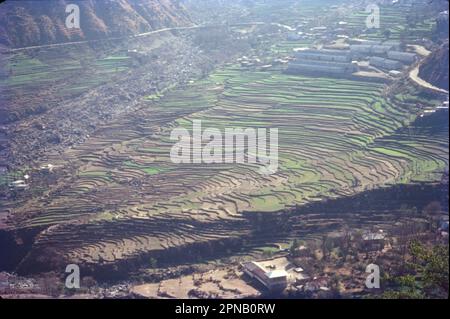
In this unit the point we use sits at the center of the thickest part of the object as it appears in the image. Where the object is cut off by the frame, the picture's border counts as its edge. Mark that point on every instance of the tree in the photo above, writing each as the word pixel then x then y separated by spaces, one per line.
pixel 406 233
pixel 431 211
pixel 335 287
pixel 88 282
pixel 433 267
pixel 346 243
pixel 357 243
pixel 428 275
pixel 408 288
pixel 295 245
pixel 153 262
pixel 327 246
pixel 51 285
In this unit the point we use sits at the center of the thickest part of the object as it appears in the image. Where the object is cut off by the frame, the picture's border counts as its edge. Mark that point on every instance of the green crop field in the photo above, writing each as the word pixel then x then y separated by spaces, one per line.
pixel 28 73
pixel 120 196
pixel 336 137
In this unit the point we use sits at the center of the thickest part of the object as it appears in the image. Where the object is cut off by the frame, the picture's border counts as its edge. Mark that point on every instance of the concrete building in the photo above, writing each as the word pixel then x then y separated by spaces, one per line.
pixel 405 57
pixel 361 50
pixel 322 62
pixel 18 185
pixel 374 241
pixel 322 67
pixel 324 55
pixel 318 29
pixel 381 49
pixel 273 280
pixel 385 63
pixel 395 73
pixel 367 42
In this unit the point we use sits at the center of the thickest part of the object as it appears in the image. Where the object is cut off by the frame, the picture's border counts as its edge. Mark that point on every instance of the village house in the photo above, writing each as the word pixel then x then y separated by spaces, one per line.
pixel 374 241
pixel 273 280
pixel 317 284
pixel 48 168
pixel 18 185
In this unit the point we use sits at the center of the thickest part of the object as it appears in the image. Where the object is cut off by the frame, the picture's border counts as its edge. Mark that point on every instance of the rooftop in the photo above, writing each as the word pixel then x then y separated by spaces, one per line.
pixel 277 274
pixel 374 236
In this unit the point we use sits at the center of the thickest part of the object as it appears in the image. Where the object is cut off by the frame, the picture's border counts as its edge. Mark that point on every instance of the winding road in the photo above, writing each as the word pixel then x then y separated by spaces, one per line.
pixel 140 35
pixel 45 46
pixel 414 76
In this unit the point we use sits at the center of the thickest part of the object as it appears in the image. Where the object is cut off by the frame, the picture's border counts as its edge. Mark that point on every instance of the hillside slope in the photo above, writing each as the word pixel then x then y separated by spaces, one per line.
pixel 26 23
pixel 435 68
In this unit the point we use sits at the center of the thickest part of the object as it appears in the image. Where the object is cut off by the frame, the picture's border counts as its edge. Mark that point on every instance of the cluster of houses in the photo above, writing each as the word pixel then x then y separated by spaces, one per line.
pixel 280 273
pixel 23 183
pixel 277 274
pixel 274 280
pixel 249 61
pixel 328 62
pixel 254 61
pixel 386 57
pixel 10 282
pixel 342 55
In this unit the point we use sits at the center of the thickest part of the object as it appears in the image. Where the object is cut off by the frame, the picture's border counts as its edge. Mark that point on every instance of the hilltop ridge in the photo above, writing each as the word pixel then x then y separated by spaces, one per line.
pixel 28 23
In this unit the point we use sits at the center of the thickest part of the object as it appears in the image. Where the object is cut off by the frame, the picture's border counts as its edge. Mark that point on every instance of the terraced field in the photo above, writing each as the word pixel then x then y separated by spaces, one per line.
pixel 121 197
pixel 401 21
pixel 36 82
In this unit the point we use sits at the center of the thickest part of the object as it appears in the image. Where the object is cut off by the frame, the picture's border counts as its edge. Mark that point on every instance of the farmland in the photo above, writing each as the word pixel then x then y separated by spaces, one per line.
pixel 397 24
pixel 38 82
pixel 126 198
pixel 115 203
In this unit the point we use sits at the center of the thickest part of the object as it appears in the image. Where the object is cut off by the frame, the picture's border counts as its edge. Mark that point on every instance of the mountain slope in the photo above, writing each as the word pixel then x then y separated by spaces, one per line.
pixel 435 68
pixel 26 23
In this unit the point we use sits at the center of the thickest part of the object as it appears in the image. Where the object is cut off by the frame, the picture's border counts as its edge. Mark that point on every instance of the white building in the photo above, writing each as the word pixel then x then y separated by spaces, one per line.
pixel 273 280
pixel 385 63
pixel 322 67
pixel 360 50
pixel 404 57
pixel 324 55
pixel 18 185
